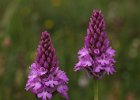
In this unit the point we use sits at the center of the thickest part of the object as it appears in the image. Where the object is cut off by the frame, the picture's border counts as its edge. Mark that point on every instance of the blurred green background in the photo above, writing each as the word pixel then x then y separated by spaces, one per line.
pixel 21 24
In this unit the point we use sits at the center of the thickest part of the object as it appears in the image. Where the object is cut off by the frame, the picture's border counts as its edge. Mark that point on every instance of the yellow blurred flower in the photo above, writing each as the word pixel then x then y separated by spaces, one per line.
pixel 56 3
pixel 32 55
pixel 49 24
pixel 25 11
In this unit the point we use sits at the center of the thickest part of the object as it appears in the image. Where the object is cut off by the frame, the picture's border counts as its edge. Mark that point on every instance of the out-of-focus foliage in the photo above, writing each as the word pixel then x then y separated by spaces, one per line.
pixel 21 24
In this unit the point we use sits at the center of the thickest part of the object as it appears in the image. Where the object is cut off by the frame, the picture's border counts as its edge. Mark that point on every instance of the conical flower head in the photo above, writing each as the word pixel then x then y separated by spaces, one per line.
pixel 45 77
pixel 96 57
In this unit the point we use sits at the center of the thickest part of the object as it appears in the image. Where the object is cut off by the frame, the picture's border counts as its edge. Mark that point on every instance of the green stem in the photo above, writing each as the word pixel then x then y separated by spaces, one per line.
pixel 96 90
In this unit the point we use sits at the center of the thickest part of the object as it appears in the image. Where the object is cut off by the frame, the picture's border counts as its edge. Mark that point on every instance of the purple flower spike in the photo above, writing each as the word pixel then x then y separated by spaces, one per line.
pixel 96 57
pixel 45 77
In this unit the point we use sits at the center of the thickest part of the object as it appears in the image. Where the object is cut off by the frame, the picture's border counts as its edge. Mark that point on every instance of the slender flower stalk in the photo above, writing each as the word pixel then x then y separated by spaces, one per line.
pixel 97 56
pixel 45 78
pixel 96 90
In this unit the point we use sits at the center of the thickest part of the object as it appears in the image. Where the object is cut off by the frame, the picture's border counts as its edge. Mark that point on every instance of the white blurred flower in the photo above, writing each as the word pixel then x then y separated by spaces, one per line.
pixel 83 81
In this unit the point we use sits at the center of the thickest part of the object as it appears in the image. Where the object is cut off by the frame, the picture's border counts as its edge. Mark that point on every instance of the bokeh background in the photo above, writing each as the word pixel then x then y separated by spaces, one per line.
pixel 21 24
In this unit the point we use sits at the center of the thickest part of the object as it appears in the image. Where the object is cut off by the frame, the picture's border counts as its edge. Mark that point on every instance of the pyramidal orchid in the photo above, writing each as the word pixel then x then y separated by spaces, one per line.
pixel 45 78
pixel 97 56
